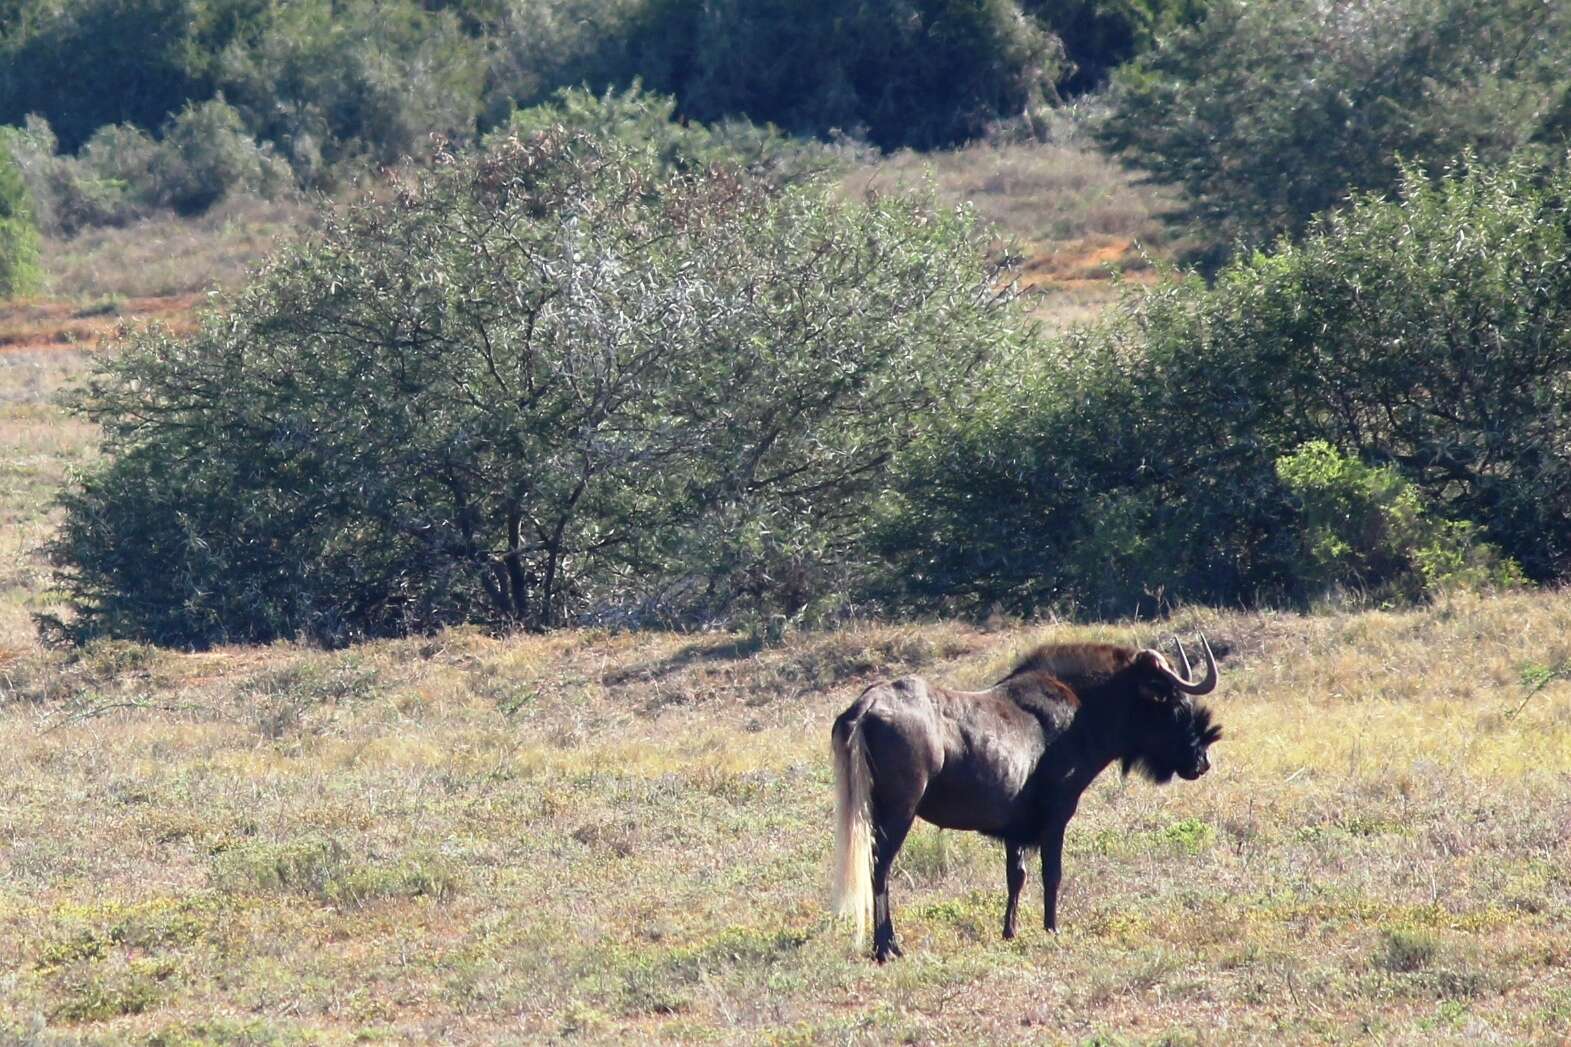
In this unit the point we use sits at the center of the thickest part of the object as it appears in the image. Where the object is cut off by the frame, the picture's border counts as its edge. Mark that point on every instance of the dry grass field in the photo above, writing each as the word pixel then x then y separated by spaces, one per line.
pixel 623 837
pixel 608 837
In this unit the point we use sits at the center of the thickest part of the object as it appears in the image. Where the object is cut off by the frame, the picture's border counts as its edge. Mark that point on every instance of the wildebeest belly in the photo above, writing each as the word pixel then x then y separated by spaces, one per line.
pixel 986 789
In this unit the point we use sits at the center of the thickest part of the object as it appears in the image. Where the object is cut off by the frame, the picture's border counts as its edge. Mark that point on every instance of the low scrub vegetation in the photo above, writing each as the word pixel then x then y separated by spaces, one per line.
pixel 1170 452
pixel 715 400
pixel 123 174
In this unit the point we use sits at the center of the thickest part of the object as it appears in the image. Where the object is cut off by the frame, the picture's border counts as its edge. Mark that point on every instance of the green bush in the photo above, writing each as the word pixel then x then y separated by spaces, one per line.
pixel 1135 462
pixel 537 47
pixel 322 80
pixel 69 194
pixel 89 63
pixel 546 383
pixel 1366 526
pixel 18 231
pixel 122 173
pixel 206 154
pixel 1101 35
pixel 331 80
pixel 919 73
pixel 648 122
pixel 1268 114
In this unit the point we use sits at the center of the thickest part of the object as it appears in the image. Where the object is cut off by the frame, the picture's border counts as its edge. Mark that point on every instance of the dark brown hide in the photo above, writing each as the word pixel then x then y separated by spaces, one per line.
pixel 1011 761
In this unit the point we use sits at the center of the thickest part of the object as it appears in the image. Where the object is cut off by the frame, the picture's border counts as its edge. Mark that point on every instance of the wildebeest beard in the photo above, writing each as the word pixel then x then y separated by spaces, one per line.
pixel 1157 767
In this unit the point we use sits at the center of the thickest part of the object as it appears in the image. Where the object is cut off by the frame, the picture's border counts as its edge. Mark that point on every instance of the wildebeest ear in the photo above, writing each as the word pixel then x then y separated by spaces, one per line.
pixel 1152 661
pixel 1149 658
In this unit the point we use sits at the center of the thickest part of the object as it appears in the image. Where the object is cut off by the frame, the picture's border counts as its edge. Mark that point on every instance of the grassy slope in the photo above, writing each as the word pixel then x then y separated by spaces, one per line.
pixel 1076 216
pixel 471 840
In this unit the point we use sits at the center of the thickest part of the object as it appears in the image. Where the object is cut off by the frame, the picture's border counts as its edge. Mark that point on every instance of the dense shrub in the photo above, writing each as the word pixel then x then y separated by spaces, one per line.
pixel 204 155
pixel 537 47
pixel 544 384
pixel 1367 526
pixel 1101 35
pixel 122 173
pixel 89 63
pixel 648 122
pixel 918 73
pixel 1268 114
pixel 1137 461
pixel 327 81
pixel 69 194
pixel 18 232
pixel 322 80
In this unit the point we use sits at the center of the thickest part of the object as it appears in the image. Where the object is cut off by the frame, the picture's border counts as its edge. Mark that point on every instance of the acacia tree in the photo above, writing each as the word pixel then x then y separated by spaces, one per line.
pixel 535 385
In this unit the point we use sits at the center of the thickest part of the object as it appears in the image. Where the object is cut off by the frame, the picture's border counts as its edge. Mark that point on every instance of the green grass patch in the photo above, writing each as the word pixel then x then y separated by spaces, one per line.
pixel 1406 949
pixel 96 931
pixel 320 867
pixel 228 1032
pixel 98 992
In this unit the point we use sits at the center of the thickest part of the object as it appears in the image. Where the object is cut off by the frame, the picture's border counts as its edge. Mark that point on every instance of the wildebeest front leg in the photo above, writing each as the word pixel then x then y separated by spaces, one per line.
pixel 1015 877
pixel 1052 870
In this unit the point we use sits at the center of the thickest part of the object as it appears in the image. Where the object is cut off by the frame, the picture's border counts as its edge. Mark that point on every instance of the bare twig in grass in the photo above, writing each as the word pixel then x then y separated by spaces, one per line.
pixel 96 711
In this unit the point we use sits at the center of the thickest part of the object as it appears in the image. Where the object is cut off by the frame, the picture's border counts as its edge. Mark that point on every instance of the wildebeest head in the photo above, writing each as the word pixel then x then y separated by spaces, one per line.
pixel 1169 731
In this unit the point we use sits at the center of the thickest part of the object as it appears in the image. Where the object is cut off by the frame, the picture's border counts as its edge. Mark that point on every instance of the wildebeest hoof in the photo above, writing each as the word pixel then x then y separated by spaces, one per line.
pixel 887 951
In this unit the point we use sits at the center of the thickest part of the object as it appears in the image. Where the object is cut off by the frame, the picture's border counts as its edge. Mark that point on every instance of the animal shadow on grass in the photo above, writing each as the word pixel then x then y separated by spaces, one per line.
pixel 655 677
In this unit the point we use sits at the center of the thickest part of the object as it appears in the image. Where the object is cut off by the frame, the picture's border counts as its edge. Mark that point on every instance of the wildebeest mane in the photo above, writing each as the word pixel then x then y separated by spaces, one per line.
pixel 1074 663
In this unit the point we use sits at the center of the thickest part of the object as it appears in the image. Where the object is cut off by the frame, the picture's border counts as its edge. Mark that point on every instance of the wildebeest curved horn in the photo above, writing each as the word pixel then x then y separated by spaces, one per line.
pixel 1202 686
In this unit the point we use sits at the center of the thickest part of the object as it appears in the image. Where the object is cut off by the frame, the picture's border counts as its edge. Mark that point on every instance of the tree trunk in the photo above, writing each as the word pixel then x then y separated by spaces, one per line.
pixel 517 580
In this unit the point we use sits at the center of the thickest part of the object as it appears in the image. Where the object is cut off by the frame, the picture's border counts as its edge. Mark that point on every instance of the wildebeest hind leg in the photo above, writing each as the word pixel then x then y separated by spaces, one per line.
pixel 889 832
pixel 1015 878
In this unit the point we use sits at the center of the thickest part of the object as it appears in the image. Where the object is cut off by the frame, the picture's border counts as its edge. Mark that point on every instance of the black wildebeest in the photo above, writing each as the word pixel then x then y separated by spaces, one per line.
pixel 1010 762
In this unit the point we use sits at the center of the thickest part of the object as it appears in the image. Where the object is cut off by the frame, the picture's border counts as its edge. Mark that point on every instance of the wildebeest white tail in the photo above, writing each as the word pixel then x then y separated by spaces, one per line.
pixel 851 894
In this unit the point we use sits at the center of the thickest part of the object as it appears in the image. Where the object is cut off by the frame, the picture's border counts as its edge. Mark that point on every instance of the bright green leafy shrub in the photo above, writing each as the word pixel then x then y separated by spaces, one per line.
pixel 1366 526
pixel 18 231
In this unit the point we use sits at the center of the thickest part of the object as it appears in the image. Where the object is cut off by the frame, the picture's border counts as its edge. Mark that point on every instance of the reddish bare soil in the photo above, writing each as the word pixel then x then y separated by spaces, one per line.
pixel 1080 263
pixel 35 326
